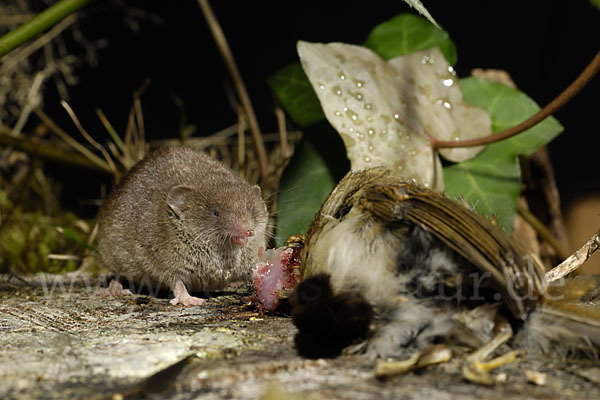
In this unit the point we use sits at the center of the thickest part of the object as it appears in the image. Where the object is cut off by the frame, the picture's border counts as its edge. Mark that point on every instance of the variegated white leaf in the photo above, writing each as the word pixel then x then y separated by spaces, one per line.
pixel 383 110
pixel 436 106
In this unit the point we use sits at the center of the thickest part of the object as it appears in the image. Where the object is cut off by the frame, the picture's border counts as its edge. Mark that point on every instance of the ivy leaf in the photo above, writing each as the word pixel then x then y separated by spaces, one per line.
pixel 304 186
pixel 295 93
pixel 407 33
pixel 490 182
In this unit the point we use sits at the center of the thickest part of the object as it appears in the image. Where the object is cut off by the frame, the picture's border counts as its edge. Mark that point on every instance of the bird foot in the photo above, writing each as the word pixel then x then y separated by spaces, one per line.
pixel 436 354
pixel 475 369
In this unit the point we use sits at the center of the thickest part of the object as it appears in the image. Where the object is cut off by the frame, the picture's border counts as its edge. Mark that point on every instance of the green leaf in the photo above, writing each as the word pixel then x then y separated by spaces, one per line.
pixel 508 107
pixel 407 33
pixel 306 183
pixel 491 181
pixel 595 3
pixel 296 95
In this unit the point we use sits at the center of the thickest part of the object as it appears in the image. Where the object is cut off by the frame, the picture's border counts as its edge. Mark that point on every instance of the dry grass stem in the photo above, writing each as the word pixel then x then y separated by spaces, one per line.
pixel 15 19
pixel 72 142
pixel 242 93
pixel 64 257
pixel 283 140
pixel 241 135
pixel 111 131
pixel 90 140
pixel 139 117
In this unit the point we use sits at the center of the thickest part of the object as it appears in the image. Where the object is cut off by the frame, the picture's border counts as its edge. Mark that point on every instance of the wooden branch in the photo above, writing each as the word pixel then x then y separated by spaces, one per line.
pixel 48 151
pixel 575 260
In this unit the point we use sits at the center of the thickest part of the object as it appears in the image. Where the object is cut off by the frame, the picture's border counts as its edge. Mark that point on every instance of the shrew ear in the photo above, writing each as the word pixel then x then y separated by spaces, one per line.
pixel 179 199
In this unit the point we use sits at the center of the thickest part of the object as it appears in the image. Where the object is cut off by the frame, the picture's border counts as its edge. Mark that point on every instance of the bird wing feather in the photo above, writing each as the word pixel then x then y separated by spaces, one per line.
pixel 518 276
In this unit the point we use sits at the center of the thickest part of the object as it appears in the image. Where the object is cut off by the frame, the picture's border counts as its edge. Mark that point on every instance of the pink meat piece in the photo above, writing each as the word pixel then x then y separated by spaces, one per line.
pixel 275 273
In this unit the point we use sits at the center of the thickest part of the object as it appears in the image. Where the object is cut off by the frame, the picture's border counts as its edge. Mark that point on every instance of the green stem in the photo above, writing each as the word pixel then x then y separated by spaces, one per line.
pixel 39 23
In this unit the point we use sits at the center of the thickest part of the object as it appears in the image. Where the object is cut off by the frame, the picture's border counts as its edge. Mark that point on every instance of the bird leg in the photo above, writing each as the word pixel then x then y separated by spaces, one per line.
pixel 475 369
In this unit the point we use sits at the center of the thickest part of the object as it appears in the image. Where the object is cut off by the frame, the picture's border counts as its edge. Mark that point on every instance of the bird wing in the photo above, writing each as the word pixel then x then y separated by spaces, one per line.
pixel 518 275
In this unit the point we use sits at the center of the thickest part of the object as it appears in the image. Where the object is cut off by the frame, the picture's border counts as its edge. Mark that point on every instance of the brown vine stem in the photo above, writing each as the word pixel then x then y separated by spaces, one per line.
pixel 223 46
pixel 544 113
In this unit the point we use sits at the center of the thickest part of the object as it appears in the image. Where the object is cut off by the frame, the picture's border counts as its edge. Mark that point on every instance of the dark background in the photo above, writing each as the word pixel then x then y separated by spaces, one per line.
pixel 544 45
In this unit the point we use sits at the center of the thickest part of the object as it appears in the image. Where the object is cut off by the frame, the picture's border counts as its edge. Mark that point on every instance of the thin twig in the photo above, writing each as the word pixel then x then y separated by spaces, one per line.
pixel 543 231
pixel 544 113
pixel 32 101
pixel 223 46
pixel 575 260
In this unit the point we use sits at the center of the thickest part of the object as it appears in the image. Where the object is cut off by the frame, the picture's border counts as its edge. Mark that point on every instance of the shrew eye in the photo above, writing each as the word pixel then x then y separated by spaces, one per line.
pixel 216 213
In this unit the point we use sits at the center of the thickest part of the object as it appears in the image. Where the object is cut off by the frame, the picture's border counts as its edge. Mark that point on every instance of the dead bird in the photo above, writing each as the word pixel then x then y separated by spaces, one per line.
pixel 399 266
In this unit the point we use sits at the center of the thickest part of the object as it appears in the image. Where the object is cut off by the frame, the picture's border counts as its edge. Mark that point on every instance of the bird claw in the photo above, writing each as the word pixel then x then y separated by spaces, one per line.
pixel 388 369
pixel 476 371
